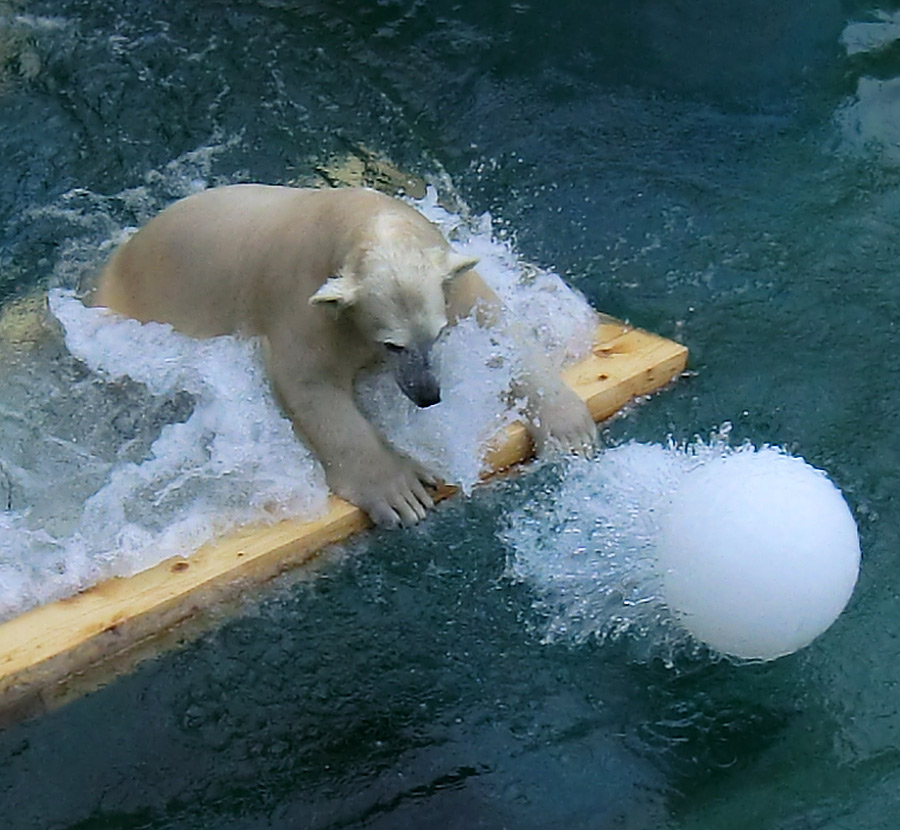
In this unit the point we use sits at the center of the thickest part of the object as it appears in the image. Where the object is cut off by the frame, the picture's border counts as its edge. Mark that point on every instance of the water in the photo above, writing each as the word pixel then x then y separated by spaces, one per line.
pixel 586 544
pixel 723 174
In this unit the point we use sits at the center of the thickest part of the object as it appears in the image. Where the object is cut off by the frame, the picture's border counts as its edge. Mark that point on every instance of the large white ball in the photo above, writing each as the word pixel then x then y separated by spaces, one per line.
pixel 759 553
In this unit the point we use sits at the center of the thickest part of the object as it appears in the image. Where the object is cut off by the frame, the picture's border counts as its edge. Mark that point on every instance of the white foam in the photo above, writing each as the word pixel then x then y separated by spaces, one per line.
pixel 558 319
pixel 103 483
pixel 882 31
pixel 870 122
pixel 234 459
pixel 91 501
pixel 476 366
pixel 475 372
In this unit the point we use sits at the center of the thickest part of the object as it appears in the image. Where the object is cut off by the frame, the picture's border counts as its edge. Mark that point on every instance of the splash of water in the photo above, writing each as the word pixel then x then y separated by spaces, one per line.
pixel 586 547
pixel 869 121
pixel 136 443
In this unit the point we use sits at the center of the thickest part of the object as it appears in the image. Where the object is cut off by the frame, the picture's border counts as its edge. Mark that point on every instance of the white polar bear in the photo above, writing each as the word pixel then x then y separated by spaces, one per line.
pixel 332 280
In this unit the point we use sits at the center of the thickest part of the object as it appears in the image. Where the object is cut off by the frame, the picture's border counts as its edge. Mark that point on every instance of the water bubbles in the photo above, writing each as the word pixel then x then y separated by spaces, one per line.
pixel 873 35
pixel 561 321
pixel 234 458
pixel 586 547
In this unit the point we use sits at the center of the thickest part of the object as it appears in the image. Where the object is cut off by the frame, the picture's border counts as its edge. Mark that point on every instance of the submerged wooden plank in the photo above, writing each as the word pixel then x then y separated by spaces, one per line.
pixel 50 653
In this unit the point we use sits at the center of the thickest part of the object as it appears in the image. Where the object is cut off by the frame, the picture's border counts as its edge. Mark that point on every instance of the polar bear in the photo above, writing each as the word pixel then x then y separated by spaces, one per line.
pixel 332 281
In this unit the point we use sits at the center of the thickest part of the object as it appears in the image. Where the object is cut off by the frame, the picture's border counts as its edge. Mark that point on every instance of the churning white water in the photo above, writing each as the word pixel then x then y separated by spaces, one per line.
pixel 130 442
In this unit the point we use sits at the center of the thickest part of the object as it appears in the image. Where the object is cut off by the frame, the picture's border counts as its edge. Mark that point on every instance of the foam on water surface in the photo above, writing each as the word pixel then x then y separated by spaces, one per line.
pixel 132 443
pixel 869 121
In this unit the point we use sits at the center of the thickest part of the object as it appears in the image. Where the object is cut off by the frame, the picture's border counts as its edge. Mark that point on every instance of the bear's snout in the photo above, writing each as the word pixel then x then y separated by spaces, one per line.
pixel 412 370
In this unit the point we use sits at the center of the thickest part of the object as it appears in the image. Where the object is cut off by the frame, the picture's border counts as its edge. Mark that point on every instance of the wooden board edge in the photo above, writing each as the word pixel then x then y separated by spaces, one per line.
pixel 47 653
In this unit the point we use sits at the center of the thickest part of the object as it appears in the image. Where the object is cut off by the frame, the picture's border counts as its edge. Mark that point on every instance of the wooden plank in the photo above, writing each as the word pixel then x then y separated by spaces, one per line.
pixel 50 653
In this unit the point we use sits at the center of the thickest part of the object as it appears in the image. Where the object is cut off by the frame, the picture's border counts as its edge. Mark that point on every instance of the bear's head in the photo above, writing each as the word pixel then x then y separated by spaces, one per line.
pixel 393 292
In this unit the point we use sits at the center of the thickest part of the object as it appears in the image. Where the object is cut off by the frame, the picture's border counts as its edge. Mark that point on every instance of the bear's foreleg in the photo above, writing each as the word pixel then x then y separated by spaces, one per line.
pixel 358 465
pixel 557 419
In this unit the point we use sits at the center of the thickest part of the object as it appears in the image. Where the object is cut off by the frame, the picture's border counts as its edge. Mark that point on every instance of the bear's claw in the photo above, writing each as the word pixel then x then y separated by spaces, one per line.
pixel 564 424
pixel 398 498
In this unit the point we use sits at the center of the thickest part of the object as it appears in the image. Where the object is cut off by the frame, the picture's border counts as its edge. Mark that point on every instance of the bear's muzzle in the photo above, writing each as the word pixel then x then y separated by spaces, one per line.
pixel 414 375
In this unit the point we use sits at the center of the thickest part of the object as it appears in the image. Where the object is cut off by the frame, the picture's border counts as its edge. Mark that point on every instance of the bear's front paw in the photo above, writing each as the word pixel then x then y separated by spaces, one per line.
pixel 563 423
pixel 390 490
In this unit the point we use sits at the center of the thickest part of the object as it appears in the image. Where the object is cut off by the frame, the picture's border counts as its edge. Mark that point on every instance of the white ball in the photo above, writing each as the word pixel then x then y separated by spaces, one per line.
pixel 759 553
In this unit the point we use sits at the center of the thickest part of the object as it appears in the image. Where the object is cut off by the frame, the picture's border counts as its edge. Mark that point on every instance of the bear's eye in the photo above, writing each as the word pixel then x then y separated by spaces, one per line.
pixel 393 347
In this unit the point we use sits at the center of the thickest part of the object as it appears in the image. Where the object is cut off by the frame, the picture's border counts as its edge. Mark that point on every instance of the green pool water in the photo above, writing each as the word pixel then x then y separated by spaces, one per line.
pixel 726 174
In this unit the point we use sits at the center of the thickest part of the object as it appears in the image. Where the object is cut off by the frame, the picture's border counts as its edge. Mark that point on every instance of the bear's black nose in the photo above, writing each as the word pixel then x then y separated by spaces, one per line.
pixel 428 397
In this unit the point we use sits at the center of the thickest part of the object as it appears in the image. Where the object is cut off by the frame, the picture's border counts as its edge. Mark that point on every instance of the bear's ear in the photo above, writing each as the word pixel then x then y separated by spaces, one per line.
pixel 458 264
pixel 337 291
